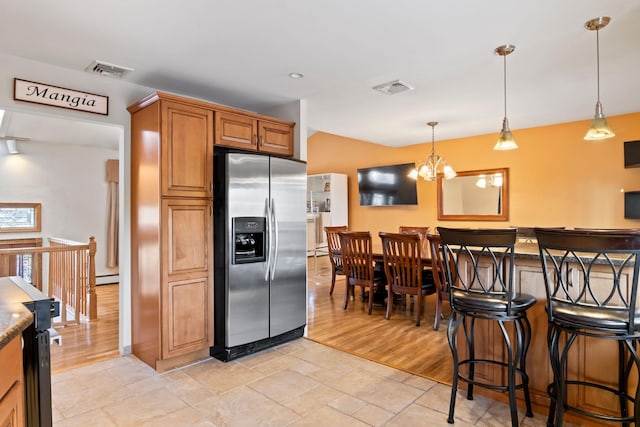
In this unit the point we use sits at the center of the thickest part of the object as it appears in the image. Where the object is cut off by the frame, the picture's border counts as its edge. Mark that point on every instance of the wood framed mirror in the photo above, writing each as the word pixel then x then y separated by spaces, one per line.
pixel 479 195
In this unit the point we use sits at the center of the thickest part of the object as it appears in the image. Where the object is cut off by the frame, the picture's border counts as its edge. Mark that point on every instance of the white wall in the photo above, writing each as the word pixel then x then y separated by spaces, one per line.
pixel 69 182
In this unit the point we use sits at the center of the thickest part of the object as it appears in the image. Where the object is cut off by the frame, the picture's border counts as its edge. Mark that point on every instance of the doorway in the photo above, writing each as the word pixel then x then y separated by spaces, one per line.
pixel 61 164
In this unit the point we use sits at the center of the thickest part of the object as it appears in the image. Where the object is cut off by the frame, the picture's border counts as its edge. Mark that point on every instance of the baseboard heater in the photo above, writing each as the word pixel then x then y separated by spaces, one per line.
pixel 107 279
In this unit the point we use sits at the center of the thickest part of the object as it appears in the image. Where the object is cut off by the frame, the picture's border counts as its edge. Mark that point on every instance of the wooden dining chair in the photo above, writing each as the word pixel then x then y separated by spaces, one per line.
pixel 335 257
pixel 404 269
pixel 357 258
pixel 423 232
pixel 439 272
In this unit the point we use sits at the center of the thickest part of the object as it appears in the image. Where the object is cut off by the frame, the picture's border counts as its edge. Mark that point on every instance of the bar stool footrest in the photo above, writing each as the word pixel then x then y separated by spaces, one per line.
pixel 499 387
pixel 602 417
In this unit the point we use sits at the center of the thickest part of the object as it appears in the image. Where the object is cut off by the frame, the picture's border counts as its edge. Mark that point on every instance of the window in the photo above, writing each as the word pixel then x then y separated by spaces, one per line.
pixel 19 217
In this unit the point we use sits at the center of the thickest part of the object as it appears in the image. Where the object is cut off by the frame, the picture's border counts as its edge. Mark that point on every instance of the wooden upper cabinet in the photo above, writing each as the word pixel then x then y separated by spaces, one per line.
pixel 275 138
pixel 187 150
pixel 236 130
pixel 250 133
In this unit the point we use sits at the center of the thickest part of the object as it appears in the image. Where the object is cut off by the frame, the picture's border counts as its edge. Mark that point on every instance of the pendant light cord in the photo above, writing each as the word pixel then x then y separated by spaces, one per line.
pixel 505 85
pixel 598 61
pixel 433 142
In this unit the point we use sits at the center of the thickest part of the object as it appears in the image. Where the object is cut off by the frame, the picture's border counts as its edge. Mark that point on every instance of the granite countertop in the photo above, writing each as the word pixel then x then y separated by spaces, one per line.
pixel 527 250
pixel 14 318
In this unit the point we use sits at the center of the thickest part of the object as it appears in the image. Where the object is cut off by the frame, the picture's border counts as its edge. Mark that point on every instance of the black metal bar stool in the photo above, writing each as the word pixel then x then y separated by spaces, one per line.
pixel 483 289
pixel 591 279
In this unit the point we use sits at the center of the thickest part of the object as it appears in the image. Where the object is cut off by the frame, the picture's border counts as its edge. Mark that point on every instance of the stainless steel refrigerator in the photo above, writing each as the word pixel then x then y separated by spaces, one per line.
pixel 259 252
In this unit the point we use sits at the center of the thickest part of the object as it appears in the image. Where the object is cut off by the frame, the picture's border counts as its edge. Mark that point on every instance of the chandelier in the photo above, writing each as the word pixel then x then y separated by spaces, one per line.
pixel 434 164
pixel 599 128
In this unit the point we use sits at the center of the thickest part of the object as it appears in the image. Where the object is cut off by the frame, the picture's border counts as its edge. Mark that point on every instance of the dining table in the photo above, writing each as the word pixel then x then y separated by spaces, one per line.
pixel 380 293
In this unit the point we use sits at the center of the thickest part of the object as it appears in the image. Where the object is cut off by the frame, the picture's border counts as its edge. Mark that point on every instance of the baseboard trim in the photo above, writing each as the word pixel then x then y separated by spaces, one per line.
pixel 107 279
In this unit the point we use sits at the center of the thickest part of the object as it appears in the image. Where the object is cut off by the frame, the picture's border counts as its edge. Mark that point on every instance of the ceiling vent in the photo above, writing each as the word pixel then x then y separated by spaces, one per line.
pixel 391 88
pixel 108 70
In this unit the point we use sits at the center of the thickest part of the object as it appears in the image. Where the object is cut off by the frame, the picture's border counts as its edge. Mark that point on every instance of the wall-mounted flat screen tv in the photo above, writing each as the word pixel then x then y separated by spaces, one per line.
pixel 387 185
pixel 632 205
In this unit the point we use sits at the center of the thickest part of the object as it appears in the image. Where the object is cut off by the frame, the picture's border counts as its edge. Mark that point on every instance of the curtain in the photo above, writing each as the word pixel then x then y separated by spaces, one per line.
pixel 112 213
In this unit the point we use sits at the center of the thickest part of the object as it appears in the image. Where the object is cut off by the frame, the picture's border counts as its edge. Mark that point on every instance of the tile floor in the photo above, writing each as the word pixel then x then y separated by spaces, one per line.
pixel 301 383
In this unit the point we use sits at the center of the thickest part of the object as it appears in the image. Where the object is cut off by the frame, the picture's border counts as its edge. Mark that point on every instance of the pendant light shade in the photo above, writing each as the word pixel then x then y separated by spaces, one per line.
pixel 434 164
pixel 599 128
pixel 505 140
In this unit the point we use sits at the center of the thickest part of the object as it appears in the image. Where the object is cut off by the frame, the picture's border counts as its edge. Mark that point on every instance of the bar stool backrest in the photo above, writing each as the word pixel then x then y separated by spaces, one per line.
pixel 591 277
pixel 483 265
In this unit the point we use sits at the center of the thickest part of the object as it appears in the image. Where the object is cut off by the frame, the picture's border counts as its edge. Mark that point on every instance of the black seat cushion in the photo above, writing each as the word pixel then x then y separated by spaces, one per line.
pixel 593 318
pixel 480 302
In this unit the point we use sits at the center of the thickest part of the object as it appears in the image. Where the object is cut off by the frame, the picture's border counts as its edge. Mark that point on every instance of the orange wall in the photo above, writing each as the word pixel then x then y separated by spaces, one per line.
pixel 556 178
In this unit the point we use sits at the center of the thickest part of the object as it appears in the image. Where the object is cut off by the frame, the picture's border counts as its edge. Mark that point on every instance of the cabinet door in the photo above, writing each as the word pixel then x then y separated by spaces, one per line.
pixel 275 138
pixel 187 293
pixel 187 317
pixel 11 384
pixel 236 130
pixel 187 150
pixel 11 407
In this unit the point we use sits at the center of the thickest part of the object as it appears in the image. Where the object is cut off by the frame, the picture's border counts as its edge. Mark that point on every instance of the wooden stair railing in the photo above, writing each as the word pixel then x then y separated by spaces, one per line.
pixel 25 265
pixel 71 275
pixel 72 278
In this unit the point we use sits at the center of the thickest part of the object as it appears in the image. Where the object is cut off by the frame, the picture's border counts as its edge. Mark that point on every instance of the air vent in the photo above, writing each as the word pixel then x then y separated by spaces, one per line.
pixel 391 88
pixel 108 70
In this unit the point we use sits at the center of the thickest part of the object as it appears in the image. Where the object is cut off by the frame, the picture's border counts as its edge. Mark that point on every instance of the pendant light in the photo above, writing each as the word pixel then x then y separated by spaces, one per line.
pixel 434 164
pixel 505 140
pixel 599 128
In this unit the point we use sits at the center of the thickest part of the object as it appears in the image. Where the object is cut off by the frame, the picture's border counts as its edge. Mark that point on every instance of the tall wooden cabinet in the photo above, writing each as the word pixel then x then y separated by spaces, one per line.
pixel 171 226
pixel 172 142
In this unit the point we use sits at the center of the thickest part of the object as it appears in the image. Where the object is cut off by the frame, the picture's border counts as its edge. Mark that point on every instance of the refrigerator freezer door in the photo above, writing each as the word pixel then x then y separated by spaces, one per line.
pixel 289 276
pixel 247 310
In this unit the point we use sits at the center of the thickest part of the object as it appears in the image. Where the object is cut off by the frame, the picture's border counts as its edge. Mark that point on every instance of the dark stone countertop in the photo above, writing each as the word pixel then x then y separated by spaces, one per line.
pixel 14 316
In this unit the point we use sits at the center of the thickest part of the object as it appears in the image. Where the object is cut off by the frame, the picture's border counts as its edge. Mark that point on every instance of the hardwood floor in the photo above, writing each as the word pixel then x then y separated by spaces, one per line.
pixel 396 342
pixel 89 342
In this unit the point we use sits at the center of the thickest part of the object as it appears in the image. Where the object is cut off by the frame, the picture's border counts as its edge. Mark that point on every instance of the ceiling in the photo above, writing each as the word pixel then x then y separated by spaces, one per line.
pixel 240 53
pixel 54 129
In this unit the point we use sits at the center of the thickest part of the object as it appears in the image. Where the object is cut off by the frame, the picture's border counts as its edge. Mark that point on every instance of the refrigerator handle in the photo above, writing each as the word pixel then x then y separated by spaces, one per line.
pixel 275 232
pixel 269 239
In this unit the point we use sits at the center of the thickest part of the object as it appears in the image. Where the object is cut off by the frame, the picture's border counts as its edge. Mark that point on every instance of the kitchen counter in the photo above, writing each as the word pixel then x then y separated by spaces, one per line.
pixel 14 316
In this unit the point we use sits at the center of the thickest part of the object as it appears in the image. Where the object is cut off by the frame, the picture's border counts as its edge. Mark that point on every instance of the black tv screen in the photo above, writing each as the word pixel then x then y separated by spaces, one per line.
pixel 387 185
pixel 632 205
